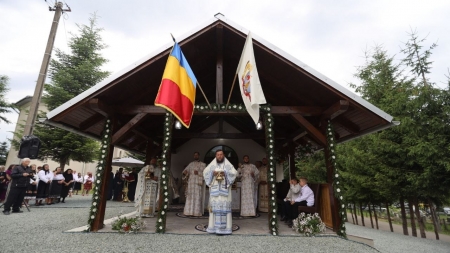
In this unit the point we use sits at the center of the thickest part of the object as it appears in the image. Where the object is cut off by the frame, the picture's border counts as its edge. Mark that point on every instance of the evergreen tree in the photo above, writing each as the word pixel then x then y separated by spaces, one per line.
pixel 72 73
pixel 4 105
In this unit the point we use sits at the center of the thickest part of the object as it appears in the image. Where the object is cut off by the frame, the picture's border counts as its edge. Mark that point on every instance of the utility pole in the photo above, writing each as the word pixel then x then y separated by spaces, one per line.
pixel 35 101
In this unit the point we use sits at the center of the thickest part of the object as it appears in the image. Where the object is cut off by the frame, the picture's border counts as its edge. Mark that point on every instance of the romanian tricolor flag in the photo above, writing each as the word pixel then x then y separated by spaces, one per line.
pixel 177 90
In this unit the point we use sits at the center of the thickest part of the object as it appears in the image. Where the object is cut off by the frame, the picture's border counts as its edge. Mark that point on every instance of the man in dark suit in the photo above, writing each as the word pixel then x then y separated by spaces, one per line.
pixel 20 178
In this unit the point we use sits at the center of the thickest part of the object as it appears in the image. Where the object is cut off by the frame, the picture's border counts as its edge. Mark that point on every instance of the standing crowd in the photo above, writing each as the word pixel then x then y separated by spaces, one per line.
pixel 24 182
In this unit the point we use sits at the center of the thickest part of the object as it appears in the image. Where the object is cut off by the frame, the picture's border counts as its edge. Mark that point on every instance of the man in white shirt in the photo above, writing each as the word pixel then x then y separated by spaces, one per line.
pixel 306 198
pixel 294 192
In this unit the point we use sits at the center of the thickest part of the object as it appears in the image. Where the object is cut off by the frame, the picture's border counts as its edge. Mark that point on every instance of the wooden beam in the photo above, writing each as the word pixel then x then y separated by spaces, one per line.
pixel 184 135
pixel 315 133
pixel 275 110
pixel 335 110
pixel 302 110
pixel 292 168
pixel 100 107
pixel 347 124
pixel 128 127
pixel 91 121
pixel 100 215
pixel 135 109
pixel 219 64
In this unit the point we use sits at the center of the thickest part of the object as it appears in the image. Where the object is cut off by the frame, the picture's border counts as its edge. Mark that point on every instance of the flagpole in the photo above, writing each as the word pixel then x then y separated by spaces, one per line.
pixel 231 91
pixel 207 101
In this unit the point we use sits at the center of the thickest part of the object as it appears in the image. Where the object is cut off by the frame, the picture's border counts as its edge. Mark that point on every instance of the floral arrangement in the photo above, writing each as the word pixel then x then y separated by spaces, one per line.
pixel 128 225
pixel 309 225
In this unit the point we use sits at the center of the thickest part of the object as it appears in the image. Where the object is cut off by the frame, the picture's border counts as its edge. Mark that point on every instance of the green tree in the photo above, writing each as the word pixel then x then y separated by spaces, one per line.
pixel 3 152
pixel 72 73
pixel 4 105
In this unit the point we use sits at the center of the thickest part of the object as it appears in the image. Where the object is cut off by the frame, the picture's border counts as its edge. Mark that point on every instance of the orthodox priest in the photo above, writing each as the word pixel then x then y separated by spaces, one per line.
pixel 147 190
pixel 249 176
pixel 193 174
pixel 219 176
pixel 263 192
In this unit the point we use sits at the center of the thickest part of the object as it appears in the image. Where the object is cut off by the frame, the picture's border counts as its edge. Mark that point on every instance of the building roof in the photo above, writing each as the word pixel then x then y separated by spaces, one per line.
pixel 23 101
pixel 217 44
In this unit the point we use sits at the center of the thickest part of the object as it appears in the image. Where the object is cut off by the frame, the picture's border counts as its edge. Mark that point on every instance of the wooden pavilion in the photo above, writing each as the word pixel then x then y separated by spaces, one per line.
pixel 302 102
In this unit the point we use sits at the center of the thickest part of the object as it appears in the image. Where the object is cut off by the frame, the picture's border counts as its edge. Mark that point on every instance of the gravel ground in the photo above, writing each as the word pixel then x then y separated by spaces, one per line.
pixel 42 230
pixel 386 241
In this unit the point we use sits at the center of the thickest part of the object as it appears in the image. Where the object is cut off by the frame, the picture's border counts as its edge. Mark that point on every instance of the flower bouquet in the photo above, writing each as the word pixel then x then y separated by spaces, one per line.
pixel 309 225
pixel 128 225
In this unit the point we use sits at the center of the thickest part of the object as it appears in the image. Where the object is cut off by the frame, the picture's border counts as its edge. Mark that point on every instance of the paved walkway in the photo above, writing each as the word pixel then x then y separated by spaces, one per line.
pixel 398 229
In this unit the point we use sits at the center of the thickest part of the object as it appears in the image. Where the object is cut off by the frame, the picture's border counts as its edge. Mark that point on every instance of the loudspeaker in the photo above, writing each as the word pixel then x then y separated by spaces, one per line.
pixel 29 147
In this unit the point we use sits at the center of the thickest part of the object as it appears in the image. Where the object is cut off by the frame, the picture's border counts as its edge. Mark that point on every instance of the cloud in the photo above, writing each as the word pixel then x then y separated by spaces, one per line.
pixel 329 36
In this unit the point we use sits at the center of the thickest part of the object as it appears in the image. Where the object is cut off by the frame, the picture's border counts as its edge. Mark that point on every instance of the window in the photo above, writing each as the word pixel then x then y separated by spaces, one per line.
pixel 229 153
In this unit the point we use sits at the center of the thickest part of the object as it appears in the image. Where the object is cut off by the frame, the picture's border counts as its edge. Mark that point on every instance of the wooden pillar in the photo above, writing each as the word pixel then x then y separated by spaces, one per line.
pixel 334 202
pixel 219 64
pixel 148 152
pixel 292 168
pixel 100 216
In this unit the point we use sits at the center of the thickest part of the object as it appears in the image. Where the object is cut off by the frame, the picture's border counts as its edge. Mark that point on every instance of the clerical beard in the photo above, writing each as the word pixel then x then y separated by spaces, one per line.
pixel 219 161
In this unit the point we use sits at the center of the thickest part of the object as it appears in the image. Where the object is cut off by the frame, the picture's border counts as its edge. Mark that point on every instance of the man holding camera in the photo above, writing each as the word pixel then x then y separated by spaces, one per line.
pixel 20 179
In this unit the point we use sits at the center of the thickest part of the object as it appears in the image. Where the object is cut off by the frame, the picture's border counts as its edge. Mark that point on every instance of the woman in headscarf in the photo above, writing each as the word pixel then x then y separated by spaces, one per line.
pixel 3 184
pixel 43 189
pixel 78 182
pixel 56 186
pixel 88 181
pixel 32 186
pixel 67 185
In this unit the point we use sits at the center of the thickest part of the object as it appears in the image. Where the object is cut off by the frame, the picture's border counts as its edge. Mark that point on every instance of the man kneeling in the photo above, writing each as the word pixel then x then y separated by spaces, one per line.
pixel 306 198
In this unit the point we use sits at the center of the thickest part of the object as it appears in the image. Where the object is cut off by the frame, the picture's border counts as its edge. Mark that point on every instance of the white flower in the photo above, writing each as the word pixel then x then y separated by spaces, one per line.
pixel 271 174
pixel 274 216
pixel 162 212
pixel 331 138
pixel 164 163
pixel 273 198
pixel 271 158
pixel 98 174
pixel 273 185
pixel 165 193
pixel 338 190
pixel 92 216
pixel 165 187
pixel 100 168
pixel 103 151
pixel 334 157
pixel 165 200
pixel 166 144
pixel 343 213
pixel 165 206
pixel 270 129
pixel 342 231
pixel 164 182
pixel 160 227
pixel 336 175
pixel 163 176
pixel 94 210
pixel 273 229
pixel 273 222
pixel 103 156
pixel 106 136
pixel 163 169
pixel 274 233
pixel 98 181
pixel 273 204
pixel 343 205
pixel 160 220
pixel 94 204
pixel 337 182
pixel 341 197
pixel 96 197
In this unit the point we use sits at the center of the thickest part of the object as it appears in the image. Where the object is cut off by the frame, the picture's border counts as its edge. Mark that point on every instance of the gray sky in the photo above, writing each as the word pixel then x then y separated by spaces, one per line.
pixel 330 36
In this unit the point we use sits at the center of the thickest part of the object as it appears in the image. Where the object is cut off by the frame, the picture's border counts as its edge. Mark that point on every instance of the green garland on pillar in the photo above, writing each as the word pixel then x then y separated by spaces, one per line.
pixel 164 180
pixel 341 231
pixel 270 145
pixel 96 196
